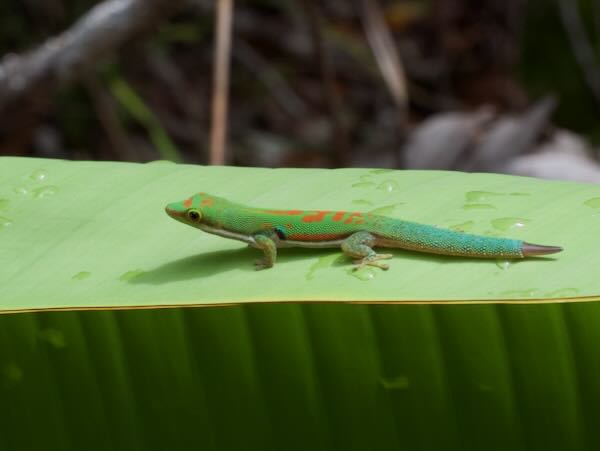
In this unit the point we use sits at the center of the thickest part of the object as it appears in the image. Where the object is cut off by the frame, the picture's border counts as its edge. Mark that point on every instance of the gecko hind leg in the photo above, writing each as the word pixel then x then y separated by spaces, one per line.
pixel 359 246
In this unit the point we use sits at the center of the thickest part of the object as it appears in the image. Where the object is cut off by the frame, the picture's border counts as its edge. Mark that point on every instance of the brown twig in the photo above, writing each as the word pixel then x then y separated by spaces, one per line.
pixel 385 51
pixel 27 78
pixel 218 132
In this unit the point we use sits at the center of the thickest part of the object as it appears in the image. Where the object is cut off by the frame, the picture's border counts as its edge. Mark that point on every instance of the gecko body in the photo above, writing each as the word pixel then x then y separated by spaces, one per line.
pixel 356 233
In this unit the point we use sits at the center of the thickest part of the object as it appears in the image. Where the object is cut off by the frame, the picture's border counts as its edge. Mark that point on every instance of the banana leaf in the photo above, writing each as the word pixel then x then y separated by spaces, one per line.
pixel 82 235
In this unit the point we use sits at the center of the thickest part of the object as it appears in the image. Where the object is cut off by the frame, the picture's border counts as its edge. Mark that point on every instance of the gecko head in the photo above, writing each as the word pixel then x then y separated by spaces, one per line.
pixel 191 211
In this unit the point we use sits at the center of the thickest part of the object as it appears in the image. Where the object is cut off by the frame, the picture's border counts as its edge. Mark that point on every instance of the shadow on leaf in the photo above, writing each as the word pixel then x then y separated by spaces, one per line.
pixel 211 263
pixel 242 259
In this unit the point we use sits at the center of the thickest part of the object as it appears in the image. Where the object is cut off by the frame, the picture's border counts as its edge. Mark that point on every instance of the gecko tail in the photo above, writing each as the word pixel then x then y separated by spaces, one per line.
pixel 530 249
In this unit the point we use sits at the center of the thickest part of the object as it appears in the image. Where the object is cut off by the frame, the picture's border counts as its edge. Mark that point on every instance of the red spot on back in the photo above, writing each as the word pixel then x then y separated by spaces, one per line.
pixel 208 202
pixel 317 216
pixel 338 216
pixel 188 202
pixel 284 212
pixel 356 218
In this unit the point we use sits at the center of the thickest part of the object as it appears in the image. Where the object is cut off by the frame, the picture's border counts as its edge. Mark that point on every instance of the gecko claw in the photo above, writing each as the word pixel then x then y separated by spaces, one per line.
pixel 371 260
pixel 261 264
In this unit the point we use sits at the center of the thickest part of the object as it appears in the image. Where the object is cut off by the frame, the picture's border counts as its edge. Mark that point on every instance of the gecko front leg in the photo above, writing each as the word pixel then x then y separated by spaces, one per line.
pixel 359 245
pixel 269 248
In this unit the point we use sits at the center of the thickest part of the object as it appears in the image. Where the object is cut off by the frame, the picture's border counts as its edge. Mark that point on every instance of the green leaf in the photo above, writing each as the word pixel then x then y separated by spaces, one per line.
pixel 95 235
pixel 303 377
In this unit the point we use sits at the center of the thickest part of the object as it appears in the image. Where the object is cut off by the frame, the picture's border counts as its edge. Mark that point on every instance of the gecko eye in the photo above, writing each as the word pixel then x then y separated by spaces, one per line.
pixel 194 215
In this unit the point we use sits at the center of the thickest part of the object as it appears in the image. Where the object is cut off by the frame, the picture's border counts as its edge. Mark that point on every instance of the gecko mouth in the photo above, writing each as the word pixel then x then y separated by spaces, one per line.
pixel 174 212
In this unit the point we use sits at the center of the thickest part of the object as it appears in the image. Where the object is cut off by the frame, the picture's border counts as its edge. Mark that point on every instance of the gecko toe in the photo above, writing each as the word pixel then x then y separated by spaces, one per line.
pixel 372 260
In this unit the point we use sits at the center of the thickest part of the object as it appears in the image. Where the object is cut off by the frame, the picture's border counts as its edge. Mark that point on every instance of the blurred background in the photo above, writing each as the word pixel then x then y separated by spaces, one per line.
pixel 489 85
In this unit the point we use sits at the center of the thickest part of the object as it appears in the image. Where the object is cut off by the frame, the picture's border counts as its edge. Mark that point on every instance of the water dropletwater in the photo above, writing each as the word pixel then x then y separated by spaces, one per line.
pixel 505 224
pixel 12 373
pixel 53 337
pixel 395 383
pixel 322 263
pixel 39 175
pixel 362 202
pixel 365 273
pixel 129 275
pixel 388 186
pixel 5 222
pixel 503 264
pixel 563 293
pixel 594 202
pixel 480 196
pixel 463 226
pixel 82 275
pixel 365 178
pixel 529 293
pixel 21 190
pixel 385 210
pixel 363 185
pixel 478 207
pixel 3 203
pixel 519 194
pixel 381 171
pixel 45 191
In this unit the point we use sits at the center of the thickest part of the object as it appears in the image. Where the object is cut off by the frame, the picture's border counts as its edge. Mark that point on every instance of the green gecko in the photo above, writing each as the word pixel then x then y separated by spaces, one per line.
pixel 354 232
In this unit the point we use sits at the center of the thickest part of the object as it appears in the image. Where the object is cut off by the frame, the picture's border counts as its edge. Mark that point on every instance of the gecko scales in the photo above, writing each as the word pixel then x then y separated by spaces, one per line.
pixel 355 233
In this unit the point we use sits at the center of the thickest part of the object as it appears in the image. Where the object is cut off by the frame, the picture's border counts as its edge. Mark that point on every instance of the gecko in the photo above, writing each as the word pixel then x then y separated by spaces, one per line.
pixel 356 233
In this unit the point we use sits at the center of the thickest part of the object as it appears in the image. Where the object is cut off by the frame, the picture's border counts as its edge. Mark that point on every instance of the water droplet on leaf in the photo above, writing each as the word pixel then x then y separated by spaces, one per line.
pixel 463 226
pixel 529 293
pixel 322 263
pixel 395 383
pixel 129 275
pixel 388 186
pixel 39 175
pixel 480 196
pixel 503 264
pixel 365 273
pixel 594 202
pixel 53 337
pixel 45 191
pixel 12 373
pixel 81 275
pixel 5 222
pixel 505 224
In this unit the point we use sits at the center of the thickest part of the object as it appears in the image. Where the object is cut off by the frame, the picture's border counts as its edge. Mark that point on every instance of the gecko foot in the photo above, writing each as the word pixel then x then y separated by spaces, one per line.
pixel 261 264
pixel 371 260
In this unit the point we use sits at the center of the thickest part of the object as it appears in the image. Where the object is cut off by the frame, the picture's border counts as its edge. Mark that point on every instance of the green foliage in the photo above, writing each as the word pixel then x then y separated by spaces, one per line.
pixel 91 234
pixel 546 50
pixel 134 105
pixel 298 377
